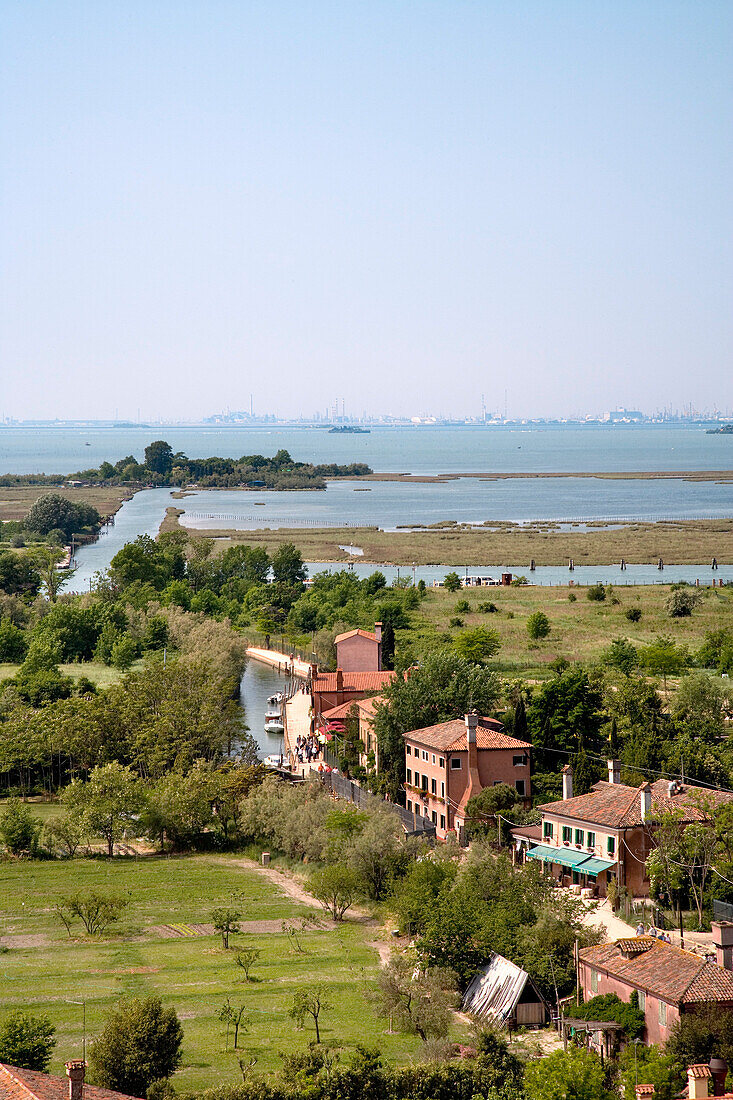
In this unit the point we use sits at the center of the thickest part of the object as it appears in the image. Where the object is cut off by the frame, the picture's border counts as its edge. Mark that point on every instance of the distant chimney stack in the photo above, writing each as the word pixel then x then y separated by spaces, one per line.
pixel 699 1080
pixel 471 726
pixel 614 771
pixel 723 942
pixel 75 1071
pixel 378 636
pixel 378 631
pixel 719 1070
pixel 645 800
pixel 567 783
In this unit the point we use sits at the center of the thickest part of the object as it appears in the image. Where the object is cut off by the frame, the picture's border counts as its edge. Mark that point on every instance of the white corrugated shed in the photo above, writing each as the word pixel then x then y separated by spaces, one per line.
pixel 495 990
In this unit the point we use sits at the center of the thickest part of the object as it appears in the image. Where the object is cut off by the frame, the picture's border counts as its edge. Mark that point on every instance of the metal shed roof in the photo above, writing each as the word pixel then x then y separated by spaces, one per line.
pixel 495 990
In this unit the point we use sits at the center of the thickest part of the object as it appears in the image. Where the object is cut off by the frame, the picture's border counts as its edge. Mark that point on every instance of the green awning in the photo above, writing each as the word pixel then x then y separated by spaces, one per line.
pixel 566 857
pixel 595 866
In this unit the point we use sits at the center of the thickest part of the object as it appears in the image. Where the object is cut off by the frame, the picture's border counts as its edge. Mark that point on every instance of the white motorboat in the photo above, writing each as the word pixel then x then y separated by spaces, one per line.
pixel 276 699
pixel 274 725
pixel 273 761
pixel 273 713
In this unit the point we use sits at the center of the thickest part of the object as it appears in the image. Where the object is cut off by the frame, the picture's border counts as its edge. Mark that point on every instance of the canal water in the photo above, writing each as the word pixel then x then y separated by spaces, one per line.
pixel 258 683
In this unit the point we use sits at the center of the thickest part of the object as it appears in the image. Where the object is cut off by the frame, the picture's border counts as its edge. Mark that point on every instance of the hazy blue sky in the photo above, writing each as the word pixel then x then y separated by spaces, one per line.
pixel 403 204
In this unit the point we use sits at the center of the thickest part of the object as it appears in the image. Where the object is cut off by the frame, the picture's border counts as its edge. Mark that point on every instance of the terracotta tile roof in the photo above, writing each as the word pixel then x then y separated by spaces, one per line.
pixel 27 1084
pixel 353 681
pixel 618 805
pixel 354 633
pixel 451 736
pixel 365 707
pixel 674 975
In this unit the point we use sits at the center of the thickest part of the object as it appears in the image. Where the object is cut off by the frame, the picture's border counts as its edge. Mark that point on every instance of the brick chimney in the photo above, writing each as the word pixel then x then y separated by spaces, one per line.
pixel 614 771
pixel 723 942
pixel 474 781
pixel 567 782
pixel 699 1079
pixel 378 635
pixel 645 801
pixel 339 687
pixel 719 1070
pixel 75 1071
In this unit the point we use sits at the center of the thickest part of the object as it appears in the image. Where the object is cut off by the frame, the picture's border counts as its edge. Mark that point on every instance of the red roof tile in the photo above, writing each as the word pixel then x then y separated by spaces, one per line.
pixel 365 707
pixel 353 681
pixel 354 633
pixel 27 1084
pixel 618 805
pixel 451 736
pixel 674 975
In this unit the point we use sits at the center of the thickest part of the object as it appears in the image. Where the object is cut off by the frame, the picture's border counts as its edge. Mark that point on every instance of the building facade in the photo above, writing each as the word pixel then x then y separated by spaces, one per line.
pixel 608 833
pixel 360 650
pixel 447 764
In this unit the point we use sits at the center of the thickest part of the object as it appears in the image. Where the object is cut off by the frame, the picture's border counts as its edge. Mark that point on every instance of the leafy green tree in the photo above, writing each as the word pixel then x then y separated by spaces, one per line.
pixel 13 642
pixel 140 1043
pixel 159 457
pixel 53 511
pixel 415 894
pixel 233 1016
pixel 564 715
pixel 245 959
pixel 287 565
pixel 226 923
pixel 19 829
pixel 110 802
pixel 148 562
pixel 417 1000
pixel 388 646
pixel 309 1001
pixel 622 655
pixel 574 1074
pixel 96 910
pixel 443 687
pixel 477 645
pixel 124 652
pixel 452 582
pixel 179 808
pixel 46 560
pixel 483 808
pixel 664 658
pixel 648 1065
pixel 27 1041
pixel 538 625
pixel 377 854
pixel 682 602
pixel 18 574
pixel 336 886
pixel 701 1035
pixel 700 703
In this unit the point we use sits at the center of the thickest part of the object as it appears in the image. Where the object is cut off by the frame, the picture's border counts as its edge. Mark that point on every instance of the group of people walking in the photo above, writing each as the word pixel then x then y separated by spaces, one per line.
pixel 308 749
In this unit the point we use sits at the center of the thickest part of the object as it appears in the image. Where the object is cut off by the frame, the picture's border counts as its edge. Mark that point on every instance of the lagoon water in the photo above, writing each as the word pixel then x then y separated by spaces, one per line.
pixel 528 449
pixel 425 450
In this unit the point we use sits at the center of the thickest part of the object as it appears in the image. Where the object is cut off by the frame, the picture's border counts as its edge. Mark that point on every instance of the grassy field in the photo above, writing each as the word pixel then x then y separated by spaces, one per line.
pixel 581 629
pixel 684 542
pixel 46 970
pixel 102 675
pixel 16 500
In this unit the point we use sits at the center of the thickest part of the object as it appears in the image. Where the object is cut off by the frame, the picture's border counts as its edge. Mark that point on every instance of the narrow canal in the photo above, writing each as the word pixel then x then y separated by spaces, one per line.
pixel 258 683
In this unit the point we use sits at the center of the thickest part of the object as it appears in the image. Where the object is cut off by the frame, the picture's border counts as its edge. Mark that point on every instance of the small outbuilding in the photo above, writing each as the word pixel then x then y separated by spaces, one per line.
pixel 505 994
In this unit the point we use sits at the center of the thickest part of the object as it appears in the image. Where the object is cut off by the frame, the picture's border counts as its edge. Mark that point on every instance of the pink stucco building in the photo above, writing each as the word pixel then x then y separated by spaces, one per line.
pixel 668 981
pixel 360 650
pixel 447 764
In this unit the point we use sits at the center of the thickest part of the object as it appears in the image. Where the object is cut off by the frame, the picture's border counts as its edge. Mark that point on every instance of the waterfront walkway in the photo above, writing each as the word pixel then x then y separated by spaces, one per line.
pixel 280 661
pixel 298 724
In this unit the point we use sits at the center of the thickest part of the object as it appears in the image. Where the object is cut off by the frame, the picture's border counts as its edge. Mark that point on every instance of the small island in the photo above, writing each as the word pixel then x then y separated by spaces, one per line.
pixel 162 467
pixel 348 429
pixel 724 429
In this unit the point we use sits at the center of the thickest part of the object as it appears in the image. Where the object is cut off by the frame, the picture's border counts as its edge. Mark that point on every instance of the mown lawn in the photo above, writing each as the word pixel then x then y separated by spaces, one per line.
pixel 101 675
pixel 192 973
pixel 580 629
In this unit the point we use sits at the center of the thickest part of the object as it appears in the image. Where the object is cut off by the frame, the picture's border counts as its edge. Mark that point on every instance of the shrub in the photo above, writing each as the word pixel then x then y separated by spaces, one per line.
pixel 139 1044
pixel 452 582
pixel 486 607
pixel 19 829
pixel 456 621
pixel 463 606
pixel 597 593
pixel 478 644
pixel 633 614
pixel 538 625
pixel 572 597
pixel 682 602
pixel 27 1041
